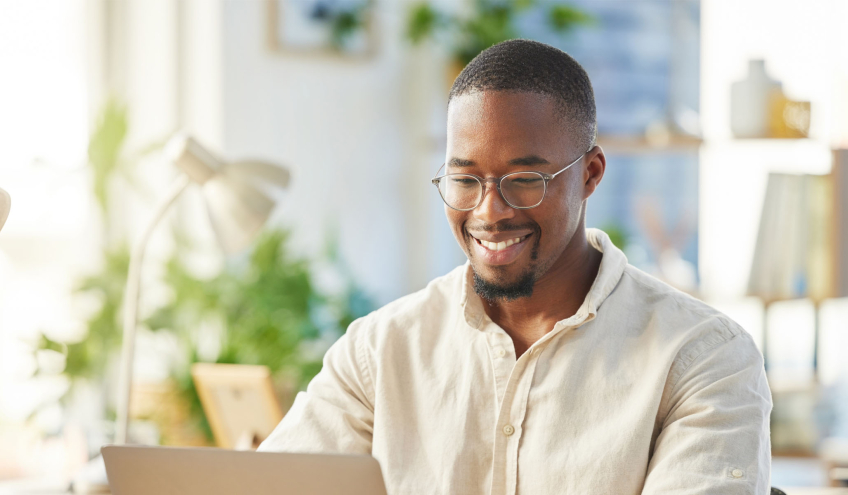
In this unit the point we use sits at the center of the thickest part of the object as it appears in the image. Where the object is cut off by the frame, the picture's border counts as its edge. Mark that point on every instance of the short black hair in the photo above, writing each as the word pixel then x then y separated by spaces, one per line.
pixel 530 66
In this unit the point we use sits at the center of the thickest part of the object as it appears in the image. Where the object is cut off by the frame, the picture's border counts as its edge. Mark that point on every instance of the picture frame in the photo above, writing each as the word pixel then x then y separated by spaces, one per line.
pixel 239 402
pixel 335 28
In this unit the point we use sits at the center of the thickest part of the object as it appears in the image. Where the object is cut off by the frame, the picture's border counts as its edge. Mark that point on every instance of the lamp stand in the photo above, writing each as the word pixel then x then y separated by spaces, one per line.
pixel 131 297
pixel 92 479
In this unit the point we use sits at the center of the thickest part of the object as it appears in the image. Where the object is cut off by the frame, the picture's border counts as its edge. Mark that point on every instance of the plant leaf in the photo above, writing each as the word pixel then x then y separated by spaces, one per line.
pixel 564 17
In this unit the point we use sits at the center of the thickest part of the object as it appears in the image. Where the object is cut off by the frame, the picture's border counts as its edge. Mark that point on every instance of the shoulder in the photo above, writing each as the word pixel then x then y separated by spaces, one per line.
pixel 647 294
pixel 430 307
pixel 692 327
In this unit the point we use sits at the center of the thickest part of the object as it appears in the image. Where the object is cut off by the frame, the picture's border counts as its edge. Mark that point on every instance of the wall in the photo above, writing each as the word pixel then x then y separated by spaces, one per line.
pixel 357 136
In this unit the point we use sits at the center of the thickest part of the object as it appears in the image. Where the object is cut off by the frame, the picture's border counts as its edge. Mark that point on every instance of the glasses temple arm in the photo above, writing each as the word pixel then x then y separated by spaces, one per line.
pixel 572 163
pixel 437 172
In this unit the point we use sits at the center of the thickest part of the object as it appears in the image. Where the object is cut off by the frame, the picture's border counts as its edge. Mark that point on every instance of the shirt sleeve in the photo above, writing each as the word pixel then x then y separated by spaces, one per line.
pixel 336 412
pixel 715 436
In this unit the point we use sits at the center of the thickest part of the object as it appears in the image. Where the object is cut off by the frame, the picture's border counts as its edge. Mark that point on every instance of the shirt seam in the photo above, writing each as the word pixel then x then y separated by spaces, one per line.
pixel 692 362
pixel 365 369
pixel 675 296
pixel 718 316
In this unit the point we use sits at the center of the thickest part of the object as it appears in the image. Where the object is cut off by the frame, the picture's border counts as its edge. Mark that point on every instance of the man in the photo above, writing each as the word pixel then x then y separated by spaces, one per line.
pixel 546 364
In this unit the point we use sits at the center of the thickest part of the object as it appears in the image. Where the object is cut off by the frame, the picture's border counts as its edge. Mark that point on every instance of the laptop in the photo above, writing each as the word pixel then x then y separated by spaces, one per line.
pixel 137 470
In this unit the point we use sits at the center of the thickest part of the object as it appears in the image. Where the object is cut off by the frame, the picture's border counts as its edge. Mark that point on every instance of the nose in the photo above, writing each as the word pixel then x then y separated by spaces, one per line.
pixel 493 208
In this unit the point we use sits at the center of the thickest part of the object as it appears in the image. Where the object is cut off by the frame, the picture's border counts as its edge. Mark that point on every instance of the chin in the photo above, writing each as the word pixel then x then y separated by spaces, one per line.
pixel 499 287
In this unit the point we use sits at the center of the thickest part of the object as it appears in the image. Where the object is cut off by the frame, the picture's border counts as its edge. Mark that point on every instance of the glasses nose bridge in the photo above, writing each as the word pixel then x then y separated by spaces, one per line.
pixel 484 181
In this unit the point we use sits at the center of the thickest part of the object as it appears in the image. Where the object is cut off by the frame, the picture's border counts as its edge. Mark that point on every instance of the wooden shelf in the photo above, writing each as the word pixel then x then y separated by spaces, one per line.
pixel 641 144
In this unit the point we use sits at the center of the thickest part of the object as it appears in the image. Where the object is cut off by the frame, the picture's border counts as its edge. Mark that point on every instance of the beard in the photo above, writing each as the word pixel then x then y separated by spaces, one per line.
pixel 498 290
pixel 493 291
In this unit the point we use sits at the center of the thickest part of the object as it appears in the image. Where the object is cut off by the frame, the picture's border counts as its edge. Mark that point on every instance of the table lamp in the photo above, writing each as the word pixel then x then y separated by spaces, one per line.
pixel 5 206
pixel 238 200
pixel 794 255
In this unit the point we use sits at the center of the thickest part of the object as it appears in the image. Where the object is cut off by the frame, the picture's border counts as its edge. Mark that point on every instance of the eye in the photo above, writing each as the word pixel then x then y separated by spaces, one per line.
pixel 526 181
pixel 463 181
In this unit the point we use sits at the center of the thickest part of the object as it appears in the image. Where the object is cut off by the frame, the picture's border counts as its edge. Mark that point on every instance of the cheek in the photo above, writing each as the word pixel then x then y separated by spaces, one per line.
pixel 456 219
pixel 559 222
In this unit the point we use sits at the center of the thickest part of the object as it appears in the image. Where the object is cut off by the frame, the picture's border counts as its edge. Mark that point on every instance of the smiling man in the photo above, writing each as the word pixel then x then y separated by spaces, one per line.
pixel 546 364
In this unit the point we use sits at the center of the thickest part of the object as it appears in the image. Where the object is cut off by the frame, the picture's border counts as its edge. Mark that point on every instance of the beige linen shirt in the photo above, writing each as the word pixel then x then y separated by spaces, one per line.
pixel 643 390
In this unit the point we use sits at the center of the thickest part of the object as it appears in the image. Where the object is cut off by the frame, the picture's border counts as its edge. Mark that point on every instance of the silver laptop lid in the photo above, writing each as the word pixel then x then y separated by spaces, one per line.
pixel 137 470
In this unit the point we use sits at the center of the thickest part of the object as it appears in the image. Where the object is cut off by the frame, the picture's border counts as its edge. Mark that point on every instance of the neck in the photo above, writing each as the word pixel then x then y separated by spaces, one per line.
pixel 556 296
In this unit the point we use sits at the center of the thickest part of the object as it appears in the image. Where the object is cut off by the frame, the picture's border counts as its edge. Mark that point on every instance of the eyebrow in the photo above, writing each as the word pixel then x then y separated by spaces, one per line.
pixel 523 161
pixel 460 162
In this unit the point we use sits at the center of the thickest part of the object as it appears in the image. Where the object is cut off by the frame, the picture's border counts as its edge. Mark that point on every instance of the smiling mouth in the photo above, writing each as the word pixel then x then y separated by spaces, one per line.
pixel 499 246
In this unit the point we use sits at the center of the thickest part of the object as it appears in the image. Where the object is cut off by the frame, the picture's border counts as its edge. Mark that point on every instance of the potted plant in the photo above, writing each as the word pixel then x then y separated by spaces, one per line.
pixel 267 305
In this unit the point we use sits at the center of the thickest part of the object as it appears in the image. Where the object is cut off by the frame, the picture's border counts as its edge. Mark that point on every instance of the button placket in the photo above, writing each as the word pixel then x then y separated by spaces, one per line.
pixel 508 431
pixel 502 365
pixel 518 410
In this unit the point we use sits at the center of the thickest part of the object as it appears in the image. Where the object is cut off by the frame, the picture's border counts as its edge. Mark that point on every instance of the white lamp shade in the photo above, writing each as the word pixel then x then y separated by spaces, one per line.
pixel 238 196
pixel 237 210
pixel 5 206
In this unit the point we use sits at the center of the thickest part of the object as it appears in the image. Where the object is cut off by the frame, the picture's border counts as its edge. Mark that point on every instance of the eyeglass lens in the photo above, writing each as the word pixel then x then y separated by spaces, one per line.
pixel 521 189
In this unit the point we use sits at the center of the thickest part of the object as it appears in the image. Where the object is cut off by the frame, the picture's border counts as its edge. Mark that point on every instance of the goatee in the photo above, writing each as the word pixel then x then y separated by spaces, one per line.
pixel 492 291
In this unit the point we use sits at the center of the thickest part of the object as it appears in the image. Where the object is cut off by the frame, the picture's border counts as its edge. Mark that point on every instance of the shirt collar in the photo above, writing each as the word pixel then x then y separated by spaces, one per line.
pixel 612 267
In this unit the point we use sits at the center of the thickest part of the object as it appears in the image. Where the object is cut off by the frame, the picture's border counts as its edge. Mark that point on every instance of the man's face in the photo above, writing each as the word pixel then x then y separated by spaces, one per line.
pixel 493 133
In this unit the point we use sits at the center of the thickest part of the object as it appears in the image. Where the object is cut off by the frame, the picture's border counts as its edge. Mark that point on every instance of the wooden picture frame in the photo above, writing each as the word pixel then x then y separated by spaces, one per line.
pixel 290 31
pixel 239 402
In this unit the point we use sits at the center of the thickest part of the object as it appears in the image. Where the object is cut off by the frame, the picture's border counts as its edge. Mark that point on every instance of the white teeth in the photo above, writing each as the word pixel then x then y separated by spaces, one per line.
pixel 497 246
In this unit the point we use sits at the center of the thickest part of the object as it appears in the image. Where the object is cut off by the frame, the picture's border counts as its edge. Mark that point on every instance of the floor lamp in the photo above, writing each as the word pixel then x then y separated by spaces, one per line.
pixel 238 202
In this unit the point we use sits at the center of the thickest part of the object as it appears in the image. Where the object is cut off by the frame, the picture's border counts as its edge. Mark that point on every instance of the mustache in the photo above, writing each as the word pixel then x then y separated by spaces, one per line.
pixel 502 227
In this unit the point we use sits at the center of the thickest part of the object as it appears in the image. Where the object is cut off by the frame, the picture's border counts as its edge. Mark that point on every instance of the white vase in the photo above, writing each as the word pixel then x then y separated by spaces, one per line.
pixel 749 102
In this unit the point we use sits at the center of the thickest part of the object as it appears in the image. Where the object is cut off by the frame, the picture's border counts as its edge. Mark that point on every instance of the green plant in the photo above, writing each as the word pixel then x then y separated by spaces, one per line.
pixel 104 148
pixel 266 305
pixel 268 309
pixel 489 23
pixel 88 358
pixel 618 236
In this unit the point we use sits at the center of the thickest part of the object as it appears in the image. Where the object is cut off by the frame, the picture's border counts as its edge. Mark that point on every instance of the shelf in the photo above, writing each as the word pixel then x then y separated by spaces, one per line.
pixel 641 144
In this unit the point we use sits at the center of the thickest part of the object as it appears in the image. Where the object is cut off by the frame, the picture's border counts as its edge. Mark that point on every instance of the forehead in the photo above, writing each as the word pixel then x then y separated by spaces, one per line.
pixel 501 125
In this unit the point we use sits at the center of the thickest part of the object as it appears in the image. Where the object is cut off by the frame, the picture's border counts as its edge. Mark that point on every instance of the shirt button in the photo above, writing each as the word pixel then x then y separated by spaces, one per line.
pixel 500 352
pixel 508 430
pixel 737 473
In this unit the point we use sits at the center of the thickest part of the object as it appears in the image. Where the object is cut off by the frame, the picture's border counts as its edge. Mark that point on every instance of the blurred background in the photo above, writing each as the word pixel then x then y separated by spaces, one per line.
pixel 725 125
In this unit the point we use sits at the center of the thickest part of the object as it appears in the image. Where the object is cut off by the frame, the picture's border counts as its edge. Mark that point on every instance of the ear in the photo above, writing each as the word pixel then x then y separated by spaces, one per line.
pixel 593 171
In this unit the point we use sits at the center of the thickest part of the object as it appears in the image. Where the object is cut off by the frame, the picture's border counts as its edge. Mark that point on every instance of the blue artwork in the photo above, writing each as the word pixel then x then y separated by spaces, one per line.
pixel 653 200
pixel 643 58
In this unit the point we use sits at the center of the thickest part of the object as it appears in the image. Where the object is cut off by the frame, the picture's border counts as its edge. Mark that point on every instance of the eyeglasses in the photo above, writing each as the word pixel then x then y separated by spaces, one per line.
pixel 520 190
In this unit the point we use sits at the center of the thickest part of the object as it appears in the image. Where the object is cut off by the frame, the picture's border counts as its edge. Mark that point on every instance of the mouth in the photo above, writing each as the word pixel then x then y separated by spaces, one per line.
pixel 499 249
pixel 496 246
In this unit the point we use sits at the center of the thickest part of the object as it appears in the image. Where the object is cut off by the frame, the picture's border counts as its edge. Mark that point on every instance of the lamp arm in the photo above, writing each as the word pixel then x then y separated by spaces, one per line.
pixel 131 296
